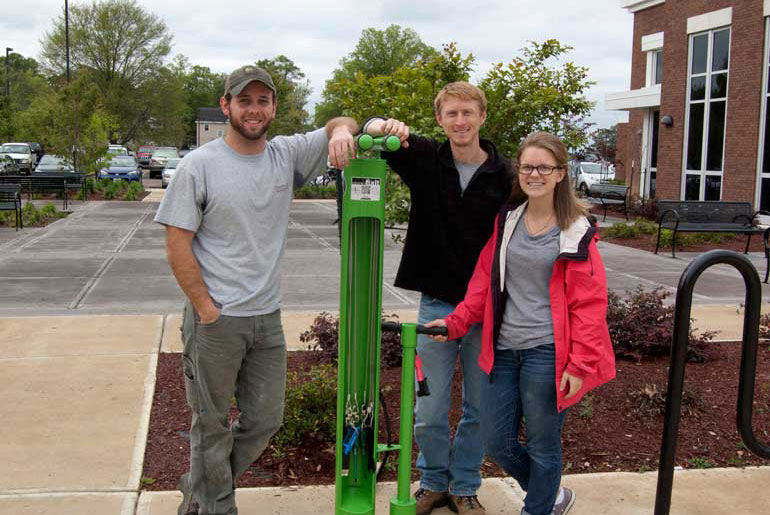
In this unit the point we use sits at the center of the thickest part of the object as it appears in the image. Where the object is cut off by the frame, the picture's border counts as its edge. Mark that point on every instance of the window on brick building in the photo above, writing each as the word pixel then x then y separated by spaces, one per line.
pixel 657 67
pixel 706 114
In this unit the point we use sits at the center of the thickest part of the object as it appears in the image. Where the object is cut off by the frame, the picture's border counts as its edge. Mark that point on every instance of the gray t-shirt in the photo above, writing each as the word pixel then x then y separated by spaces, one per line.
pixel 527 321
pixel 466 171
pixel 238 207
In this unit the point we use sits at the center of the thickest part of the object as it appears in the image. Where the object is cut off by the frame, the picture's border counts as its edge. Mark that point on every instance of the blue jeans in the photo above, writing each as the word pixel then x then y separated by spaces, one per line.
pixel 445 465
pixel 522 385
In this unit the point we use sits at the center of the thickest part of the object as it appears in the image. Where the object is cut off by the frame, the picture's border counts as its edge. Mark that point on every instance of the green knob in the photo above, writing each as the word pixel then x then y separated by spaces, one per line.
pixel 365 142
pixel 392 143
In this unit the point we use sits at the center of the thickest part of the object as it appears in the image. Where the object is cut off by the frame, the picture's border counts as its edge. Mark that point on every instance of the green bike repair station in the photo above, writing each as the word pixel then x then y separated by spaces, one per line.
pixel 360 328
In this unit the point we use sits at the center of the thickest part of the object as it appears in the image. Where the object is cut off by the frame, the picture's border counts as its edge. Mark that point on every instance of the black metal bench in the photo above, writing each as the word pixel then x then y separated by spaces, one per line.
pixel 609 194
pixel 711 216
pixel 48 183
pixel 10 200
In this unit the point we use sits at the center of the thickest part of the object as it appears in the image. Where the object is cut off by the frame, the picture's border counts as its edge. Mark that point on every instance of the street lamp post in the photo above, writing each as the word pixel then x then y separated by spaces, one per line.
pixel 8 51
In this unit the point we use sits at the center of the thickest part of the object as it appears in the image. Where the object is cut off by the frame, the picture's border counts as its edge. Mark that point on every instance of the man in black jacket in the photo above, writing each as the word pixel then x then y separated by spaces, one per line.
pixel 457 188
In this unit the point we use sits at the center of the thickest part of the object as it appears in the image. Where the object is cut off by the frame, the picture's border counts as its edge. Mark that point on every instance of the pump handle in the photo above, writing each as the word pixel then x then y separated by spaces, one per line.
pixel 395 327
pixel 388 143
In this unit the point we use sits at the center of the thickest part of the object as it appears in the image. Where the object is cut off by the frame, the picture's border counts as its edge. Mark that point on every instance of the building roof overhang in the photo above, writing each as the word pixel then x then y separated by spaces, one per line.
pixel 633 99
pixel 639 5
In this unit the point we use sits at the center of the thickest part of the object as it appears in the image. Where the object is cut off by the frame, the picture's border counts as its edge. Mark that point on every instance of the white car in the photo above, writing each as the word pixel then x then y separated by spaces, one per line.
pixel 586 174
pixel 22 155
pixel 117 150
pixel 168 171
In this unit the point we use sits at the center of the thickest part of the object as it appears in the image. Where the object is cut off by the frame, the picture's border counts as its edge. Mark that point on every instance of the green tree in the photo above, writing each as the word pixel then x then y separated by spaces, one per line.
pixel 26 82
pixel 605 143
pixel 292 92
pixel 377 53
pixel 122 46
pixel 533 93
pixel 406 94
pixel 201 87
pixel 74 122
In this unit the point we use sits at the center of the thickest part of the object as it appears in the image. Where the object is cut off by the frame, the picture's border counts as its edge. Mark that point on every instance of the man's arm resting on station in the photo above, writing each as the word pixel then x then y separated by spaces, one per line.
pixel 188 272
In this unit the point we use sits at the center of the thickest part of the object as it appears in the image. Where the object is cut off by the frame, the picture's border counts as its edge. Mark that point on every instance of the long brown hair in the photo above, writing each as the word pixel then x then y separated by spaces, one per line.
pixel 567 206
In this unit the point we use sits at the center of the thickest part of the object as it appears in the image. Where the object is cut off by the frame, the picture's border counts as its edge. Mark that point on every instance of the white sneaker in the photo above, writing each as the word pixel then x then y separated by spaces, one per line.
pixel 564 501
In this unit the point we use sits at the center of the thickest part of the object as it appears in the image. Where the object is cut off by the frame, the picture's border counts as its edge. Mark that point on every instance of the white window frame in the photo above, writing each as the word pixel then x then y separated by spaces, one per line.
pixel 763 112
pixel 652 44
pixel 703 172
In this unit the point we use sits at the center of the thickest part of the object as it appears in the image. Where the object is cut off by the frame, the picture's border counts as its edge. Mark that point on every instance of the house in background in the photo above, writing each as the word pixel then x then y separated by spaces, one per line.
pixel 698 102
pixel 210 125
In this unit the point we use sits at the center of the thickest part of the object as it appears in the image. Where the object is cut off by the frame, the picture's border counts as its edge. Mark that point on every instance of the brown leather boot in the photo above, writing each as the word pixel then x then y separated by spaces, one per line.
pixel 466 505
pixel 427 500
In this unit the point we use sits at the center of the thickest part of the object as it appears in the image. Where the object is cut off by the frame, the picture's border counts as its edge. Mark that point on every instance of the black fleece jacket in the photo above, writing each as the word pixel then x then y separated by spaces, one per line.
pixel 447 227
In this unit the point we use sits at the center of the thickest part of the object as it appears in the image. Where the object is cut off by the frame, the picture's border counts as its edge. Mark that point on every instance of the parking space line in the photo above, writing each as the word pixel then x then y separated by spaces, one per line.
pixel 314 236
pixel 89 286
pixel 132 231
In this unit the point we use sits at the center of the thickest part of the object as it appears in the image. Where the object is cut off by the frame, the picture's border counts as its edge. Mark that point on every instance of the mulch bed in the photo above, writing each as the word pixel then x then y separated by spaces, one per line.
pixel 610 430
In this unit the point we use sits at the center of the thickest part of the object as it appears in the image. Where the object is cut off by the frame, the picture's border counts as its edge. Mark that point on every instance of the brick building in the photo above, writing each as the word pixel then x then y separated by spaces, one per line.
pixel 698 103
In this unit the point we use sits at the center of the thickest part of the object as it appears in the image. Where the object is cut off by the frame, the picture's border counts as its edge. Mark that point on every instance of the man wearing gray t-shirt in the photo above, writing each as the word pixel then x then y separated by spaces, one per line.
pixel 226 215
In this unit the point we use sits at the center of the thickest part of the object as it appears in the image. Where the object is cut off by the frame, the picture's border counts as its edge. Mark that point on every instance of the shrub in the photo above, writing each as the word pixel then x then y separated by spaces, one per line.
pixel 647 209
pixel 650 401
pixel 32 216
pixel 133 191
pixel 315 191
pixel 111 190
pixel 642 327
pixel 640 227
pixel 692 238
pixel 323 336
pixel 311 407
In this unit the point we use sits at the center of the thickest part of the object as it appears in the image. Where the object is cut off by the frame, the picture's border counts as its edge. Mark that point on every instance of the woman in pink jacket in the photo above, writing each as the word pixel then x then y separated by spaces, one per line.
pixel 540 289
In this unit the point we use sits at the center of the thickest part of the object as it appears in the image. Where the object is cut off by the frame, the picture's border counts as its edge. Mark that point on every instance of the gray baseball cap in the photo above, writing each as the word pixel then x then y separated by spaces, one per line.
pixel 241 77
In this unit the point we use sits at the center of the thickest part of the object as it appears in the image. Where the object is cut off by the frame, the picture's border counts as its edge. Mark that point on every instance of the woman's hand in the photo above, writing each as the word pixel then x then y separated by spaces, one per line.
pixel 574 382
pixel 439 322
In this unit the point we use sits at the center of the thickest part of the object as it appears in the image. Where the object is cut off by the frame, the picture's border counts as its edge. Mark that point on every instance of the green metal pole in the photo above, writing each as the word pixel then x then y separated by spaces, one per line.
pixel 404 503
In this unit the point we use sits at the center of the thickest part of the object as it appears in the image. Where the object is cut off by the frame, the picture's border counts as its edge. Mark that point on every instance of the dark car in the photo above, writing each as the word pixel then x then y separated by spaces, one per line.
pixel 37 149
pixel 144 154
pixel 159 158
pixel 122 167
pixel 54 164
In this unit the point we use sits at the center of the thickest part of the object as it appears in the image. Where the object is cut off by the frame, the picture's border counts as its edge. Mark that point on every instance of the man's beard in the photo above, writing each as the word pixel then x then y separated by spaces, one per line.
pixel 238 126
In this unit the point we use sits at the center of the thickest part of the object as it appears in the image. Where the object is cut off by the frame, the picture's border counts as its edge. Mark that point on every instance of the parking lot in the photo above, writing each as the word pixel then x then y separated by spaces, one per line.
pixel 109 257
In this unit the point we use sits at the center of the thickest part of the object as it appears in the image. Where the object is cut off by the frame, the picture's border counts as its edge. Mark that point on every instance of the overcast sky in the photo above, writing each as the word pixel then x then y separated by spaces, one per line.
pixel 315 34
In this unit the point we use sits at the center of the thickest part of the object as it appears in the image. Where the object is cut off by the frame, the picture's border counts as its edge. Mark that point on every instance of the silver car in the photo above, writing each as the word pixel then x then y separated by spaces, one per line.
pixel 22 155
pixel 168 171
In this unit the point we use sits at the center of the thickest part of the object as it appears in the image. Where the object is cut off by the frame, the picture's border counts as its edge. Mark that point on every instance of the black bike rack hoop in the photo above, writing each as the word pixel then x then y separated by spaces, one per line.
pixel 678 361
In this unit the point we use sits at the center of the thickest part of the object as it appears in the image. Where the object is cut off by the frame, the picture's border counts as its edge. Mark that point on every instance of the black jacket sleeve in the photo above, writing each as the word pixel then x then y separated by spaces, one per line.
pixel 415 162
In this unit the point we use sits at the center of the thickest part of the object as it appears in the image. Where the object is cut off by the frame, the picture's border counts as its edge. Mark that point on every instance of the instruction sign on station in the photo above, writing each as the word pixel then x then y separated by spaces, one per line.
pixel 363 188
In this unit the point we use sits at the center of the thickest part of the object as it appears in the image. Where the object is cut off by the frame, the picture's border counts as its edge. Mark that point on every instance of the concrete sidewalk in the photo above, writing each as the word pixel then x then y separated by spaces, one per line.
pixel 82 389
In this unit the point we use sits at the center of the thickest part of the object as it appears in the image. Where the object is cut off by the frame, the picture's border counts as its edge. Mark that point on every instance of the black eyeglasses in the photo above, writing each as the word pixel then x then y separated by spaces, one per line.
pixel 541 169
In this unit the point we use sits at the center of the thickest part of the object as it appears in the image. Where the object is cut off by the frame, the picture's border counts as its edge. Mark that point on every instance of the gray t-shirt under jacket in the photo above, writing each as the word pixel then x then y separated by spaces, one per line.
pixel 527 320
